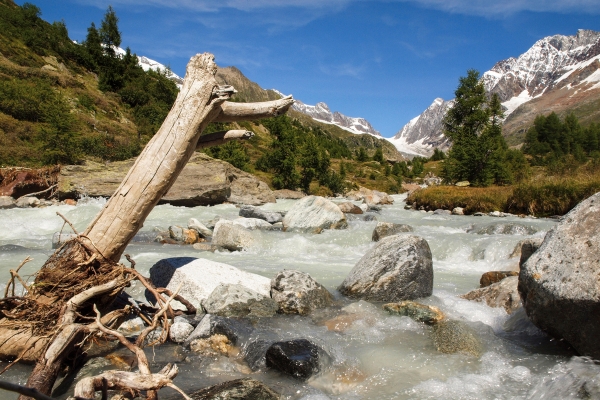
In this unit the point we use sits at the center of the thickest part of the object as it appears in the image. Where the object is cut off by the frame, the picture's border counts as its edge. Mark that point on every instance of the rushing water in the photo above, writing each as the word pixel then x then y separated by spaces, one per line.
pixel 373 355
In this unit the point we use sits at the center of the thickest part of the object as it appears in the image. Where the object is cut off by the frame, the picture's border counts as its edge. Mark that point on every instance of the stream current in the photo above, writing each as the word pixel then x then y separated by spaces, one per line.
pixel 374 355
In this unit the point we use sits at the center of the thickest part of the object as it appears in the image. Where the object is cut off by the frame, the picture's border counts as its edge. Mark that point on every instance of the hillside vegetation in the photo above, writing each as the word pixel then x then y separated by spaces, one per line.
pixel 63 102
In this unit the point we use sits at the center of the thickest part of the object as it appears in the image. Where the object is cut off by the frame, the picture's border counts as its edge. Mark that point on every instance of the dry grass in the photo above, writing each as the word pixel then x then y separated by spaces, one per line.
pixel 542 195
pixel 488 199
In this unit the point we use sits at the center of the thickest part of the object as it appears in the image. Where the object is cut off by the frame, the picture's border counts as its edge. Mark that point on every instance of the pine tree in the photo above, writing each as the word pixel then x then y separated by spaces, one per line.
pixel 473 126
pixel 93 45
pixel 109 31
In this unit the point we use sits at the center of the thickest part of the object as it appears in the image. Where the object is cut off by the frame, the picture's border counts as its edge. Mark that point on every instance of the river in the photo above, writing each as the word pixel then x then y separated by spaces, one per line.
pixel 375 355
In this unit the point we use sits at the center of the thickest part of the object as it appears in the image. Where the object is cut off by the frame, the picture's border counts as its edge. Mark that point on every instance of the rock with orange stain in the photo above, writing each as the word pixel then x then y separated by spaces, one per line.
pixel 214 345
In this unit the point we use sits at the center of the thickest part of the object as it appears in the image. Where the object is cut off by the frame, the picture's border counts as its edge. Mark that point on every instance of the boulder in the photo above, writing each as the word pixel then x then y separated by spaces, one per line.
pixel 235 300
pixel 369 218
pixel 26 202
pixel 297 293
pixel 350 208
pixel 179 331
pixel 313 214
pixel 370 197
pixel 298 358
pixel 7 202
pixel 238 389
pixel 203 181
pixel 499 294
pixel 419 312
pixel 288 194
pixel 200 277
pixel 440 211
pixel 205 247
pixel 384 229
pixel 255 351
pixel 503 228
pixel 231 236
pixel 491 277
pixel 398 267
pixel 252 224
pixel 451 336
pixel 525 248
pixel 559 283
pixel 458 211
pixel 132 326
pixel 236 330
pixel 183 235
pixel 271 217
pixel 203 230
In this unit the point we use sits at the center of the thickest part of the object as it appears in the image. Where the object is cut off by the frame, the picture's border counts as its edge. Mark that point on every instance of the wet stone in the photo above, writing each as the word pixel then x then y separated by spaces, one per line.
pixel 419 312
pixel 239 389
pixel 179 331
pixel 235 300
pixel 297 293
pixel 451 337
pixel 298 358
pixel 384 229
pixel 235 329
pixel 495 276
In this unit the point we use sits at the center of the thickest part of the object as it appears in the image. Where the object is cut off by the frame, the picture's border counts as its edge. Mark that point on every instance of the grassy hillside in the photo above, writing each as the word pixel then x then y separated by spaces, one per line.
pixel 62 103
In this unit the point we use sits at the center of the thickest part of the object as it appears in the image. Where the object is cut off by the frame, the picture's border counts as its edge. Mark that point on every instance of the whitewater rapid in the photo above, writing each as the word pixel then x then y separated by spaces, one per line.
pixel 373 355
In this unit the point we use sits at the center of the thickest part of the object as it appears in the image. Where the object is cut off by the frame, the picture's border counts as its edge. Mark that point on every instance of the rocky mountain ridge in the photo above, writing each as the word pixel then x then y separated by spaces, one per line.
pixel 558 73
pixel 321 112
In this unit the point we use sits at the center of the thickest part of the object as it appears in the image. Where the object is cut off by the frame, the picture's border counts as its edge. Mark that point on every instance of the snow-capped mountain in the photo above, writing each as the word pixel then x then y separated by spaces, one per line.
pixel 545 78
pixel 147 64
pixel 321 112
pixel 422 134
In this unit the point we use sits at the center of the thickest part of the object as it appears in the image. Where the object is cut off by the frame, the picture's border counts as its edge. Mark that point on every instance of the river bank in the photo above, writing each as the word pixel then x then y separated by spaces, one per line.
pixel 375 354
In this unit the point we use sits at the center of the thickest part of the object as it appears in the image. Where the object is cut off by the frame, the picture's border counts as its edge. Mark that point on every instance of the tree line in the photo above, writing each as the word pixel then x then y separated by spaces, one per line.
pixel 479 153
pixel 32 97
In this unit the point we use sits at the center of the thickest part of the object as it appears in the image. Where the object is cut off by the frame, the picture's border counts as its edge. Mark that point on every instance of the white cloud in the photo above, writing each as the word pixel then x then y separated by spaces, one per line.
pixel 216 5
pixel 508 7
pixel 472 7
pixel 345 69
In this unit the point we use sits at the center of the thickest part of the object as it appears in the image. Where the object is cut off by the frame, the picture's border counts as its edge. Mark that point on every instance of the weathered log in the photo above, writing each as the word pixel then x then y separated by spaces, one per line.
pixel 200 101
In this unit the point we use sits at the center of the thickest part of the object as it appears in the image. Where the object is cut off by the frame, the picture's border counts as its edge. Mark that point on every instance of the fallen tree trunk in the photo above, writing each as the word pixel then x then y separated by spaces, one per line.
pixel 85 271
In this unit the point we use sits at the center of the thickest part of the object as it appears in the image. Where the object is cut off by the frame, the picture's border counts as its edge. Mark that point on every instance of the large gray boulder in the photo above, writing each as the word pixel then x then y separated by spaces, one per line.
pixel 398 267
pixel 231 236
pixel 384 229
pixel 203 181
pixel 249 211
pixel 235 300
pixel 313 214
pixel 297 292
pixel 560 283
pixel 199 277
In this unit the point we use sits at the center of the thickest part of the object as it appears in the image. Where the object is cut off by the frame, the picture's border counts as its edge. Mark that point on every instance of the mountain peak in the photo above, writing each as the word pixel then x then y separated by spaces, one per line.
pixel 553 63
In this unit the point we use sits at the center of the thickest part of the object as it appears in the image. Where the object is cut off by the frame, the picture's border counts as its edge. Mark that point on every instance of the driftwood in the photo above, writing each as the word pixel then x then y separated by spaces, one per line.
pixel 57 307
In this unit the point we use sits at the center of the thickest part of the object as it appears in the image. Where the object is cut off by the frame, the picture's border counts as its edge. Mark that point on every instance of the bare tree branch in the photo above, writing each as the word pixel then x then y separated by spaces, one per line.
pixel 217 138
pixel 232 111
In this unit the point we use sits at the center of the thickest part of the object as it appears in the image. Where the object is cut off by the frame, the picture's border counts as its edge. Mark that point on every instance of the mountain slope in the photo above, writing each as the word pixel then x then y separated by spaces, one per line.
pixel 558 73
pixel 320 115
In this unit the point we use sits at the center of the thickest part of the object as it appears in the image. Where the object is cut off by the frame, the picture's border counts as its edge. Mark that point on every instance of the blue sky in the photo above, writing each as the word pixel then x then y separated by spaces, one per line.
pixel 384 60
